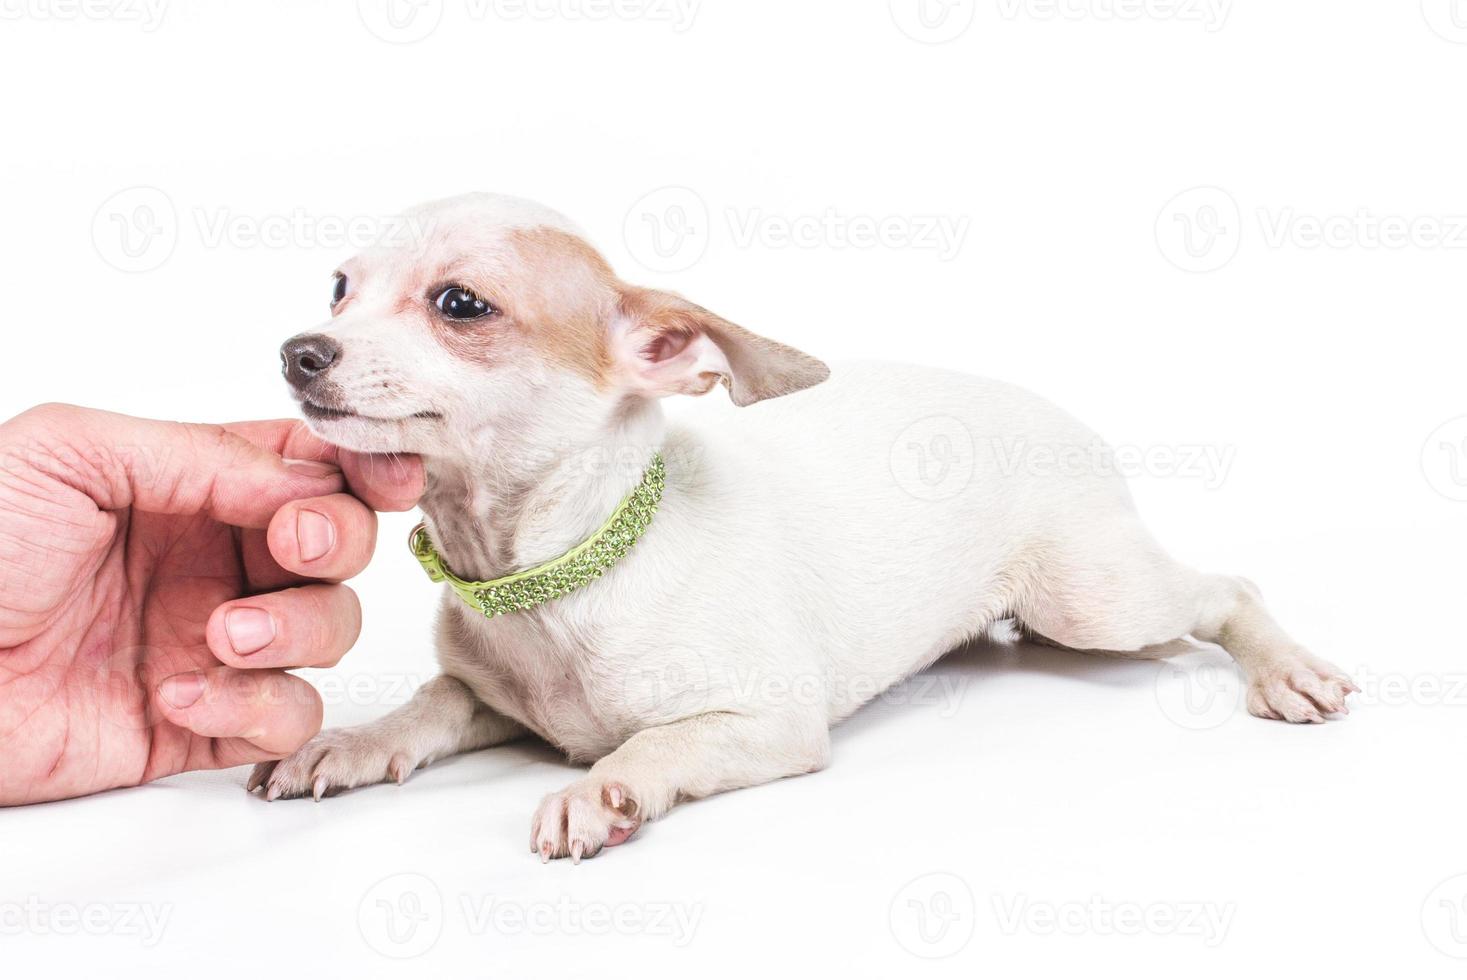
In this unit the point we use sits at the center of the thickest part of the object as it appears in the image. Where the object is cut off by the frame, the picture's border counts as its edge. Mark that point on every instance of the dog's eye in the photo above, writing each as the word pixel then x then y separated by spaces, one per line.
pixel 457 303
pixel 338 289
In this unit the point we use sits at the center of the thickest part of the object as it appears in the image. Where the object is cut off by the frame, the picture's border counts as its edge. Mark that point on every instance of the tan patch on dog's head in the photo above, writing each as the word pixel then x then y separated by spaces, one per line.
pixel 565 295
pixel 553 292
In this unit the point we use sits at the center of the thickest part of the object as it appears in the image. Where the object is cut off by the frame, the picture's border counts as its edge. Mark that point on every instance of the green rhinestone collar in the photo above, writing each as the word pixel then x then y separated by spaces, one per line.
pixel 586 561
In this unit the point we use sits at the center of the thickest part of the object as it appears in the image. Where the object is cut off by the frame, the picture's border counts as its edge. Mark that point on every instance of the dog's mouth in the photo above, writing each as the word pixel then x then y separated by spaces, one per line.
pixel 319 412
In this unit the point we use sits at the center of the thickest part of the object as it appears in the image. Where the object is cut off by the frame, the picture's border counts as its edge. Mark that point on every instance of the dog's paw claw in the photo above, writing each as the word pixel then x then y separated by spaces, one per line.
pixel 258 776
pixel 335 760
pixel 582 819
pixel 1302 689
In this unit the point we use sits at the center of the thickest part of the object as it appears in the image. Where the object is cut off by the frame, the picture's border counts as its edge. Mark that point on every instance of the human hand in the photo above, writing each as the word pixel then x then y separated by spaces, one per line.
pixel 156 581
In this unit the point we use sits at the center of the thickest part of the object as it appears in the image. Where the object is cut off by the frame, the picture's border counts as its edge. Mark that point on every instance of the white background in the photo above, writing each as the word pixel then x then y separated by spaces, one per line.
pixel 1026 782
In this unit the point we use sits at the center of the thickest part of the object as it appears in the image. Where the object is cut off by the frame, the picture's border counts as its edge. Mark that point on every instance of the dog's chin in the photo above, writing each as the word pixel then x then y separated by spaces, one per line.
pixel 367 433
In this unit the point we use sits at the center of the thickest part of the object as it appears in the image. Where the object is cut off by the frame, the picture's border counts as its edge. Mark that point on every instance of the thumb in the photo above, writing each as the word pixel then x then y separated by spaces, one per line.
pixel 162 467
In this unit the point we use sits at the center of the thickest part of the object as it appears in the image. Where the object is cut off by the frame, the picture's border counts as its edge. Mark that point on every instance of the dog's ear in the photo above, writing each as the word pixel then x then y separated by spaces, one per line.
pixel 664 345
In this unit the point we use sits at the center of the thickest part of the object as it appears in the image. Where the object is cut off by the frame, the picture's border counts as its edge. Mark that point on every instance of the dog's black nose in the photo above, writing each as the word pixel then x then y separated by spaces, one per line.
pixel 307 357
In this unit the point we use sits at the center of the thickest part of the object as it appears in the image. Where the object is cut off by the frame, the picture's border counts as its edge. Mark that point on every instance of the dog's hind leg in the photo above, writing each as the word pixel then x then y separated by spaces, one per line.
pixel 1109 588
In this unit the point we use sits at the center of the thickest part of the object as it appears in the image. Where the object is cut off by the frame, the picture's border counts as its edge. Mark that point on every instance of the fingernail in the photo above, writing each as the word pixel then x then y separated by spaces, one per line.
pixel 182 690
pixel 315 533
pixel 250 630
pixel 311 467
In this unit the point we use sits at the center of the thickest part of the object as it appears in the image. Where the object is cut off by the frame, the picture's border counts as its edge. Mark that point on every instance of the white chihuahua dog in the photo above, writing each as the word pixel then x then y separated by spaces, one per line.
pixel 691 606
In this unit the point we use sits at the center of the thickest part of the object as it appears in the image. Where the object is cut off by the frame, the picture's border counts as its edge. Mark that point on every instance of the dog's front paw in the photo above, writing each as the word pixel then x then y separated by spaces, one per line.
pixel 1299 688
pixel 583 818
pixel 335 760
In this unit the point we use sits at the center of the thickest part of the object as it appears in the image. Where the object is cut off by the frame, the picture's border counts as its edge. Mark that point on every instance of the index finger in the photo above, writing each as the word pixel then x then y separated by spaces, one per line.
pixel 391 482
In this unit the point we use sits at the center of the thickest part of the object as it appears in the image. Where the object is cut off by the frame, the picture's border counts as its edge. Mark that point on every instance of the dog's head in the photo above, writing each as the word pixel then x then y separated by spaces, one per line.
pixel 498 313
